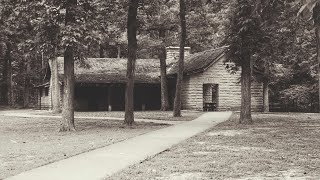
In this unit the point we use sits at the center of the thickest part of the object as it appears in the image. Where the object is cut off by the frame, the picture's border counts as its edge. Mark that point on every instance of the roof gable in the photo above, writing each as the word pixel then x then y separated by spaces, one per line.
pixel 199 62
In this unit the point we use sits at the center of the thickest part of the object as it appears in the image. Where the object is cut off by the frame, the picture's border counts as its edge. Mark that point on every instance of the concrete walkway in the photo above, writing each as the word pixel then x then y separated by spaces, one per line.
pixel 103 162
pixel 28 115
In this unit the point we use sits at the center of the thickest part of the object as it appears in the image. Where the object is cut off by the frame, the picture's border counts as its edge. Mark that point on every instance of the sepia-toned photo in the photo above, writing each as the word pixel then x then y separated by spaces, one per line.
pixel 159 89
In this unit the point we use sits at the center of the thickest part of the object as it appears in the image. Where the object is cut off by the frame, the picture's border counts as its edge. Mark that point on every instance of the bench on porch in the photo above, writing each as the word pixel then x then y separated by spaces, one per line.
pixel 209 106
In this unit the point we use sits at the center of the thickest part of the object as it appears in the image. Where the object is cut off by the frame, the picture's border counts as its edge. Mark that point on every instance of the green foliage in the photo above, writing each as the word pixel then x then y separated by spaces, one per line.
pixel 286 53
pixel 16 36
pixel 52 32
pixel 245 36
pixel 269 31
pixel 157 18
pixel 36 30
pixel 307 7
pixel 278 24
pixel 207 23
pixel 295 49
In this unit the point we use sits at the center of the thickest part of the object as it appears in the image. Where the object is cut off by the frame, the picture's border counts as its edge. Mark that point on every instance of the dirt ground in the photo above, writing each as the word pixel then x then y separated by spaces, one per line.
pixel 276 146
pixel 26 143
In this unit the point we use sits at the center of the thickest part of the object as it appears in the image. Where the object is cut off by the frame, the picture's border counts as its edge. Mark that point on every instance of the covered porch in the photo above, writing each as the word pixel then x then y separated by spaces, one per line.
pixel 111 97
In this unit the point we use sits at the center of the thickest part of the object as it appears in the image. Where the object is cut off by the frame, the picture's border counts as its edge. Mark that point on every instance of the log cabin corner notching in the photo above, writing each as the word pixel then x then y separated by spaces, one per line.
pixel 100 83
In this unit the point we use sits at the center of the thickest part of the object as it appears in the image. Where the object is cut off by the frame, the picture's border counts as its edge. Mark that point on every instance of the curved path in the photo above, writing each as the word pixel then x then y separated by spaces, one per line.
pixel 103 162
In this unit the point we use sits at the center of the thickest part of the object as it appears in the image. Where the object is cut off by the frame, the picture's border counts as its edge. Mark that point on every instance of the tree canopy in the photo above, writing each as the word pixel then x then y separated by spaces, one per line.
pixel 278 35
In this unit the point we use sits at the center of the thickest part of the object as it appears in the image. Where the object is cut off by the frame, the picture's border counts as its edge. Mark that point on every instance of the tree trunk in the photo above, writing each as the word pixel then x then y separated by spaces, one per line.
pixel 42 61
pixel 26 96
pixel 101 51
pixel 163 70
pixel 316 14
pixel 132 51
pixel 183 37
pixel 2 93
pixel 8 75
pixel 266 96
pixel 68 92
pixel 245 114
pixel 55 87
pixel 266 88
pixel 106 49
pixel 67 123
pixel 27 83
pixel 4 87
pixel 318 59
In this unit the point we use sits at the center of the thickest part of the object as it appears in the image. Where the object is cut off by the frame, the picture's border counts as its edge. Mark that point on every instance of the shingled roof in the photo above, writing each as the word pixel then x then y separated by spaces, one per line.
pixel 198 62
pixel 113 70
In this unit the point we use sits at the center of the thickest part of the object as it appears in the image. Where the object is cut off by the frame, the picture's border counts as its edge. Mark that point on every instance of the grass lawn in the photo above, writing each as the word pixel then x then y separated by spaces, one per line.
pixel 26 143
pixel 276 146
pixel 156 115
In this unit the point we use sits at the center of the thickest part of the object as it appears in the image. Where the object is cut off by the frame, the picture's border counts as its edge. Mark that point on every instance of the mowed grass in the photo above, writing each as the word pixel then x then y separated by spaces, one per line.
pixel 155 115
pixel 26 143
pixel 276 146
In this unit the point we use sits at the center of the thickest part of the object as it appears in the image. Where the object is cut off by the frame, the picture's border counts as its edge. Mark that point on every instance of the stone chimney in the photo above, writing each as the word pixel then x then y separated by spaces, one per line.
pixel 173 54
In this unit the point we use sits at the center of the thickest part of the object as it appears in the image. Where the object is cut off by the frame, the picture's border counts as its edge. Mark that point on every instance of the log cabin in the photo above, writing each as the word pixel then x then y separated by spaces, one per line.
pixel 209 85
pixel 100 83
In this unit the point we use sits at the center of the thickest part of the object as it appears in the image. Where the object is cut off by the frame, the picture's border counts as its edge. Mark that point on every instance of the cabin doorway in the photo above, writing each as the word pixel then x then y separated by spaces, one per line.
pixel 210 97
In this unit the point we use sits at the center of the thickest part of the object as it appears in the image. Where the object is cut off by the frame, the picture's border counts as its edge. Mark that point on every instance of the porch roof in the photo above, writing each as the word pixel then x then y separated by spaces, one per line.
pixel 113 70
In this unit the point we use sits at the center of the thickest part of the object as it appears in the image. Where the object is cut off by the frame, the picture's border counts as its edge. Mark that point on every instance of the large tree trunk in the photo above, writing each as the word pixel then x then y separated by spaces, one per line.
pixel 163 70
pixel 67 123
pixel 245 114
pixel 132 50
pixel 55 87
pixel 68 92
pixel 183 37
pixel 316 17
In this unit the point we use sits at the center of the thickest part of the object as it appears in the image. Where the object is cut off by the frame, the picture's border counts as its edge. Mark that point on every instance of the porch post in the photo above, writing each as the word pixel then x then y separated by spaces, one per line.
pixel 39 94
pixel 109 98
pixel 143 102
